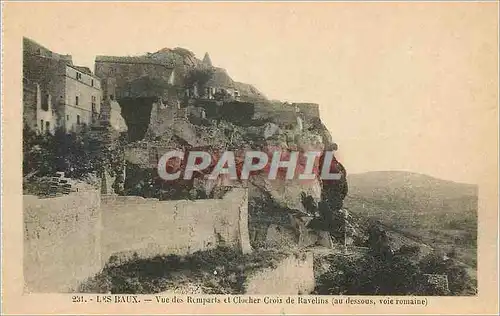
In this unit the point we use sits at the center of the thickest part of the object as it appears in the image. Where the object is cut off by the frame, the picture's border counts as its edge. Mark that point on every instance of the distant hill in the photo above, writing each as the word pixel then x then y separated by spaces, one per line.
pixel 418 192
pixel 440 213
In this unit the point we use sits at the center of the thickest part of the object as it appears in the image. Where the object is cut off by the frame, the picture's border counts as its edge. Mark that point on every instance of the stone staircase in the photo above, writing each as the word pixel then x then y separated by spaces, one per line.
pixel 59 184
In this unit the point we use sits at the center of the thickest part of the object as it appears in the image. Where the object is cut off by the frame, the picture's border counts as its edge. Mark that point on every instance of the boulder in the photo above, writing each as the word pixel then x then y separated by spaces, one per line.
pixel 286 193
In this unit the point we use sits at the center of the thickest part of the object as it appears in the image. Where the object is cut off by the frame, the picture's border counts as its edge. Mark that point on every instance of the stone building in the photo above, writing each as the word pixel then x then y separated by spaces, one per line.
pixel 41 119
pixel 56 92
pixel 83 97
pixel 219 84
pixel 136 83
pixel 248 93
pixel 129 76
pixel 308 110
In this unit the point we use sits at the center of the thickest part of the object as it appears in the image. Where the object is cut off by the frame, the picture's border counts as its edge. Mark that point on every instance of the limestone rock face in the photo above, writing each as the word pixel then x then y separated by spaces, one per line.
pixel 107 183
pixel 286 193
pixel 116 119
pixel 300 124
pixel 111 115
pixel 290 193
pixel 270 129
pixel 161 120
pixel 186 131
pixel 308 141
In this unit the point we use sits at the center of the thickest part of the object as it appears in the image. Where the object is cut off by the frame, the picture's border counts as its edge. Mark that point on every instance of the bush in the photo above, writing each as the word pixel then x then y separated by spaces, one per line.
pixel 370 275
pixel 39 156
pixel 459 281
pixel 161 273
pixel 77 154
pixel 411 250
pixel 199 76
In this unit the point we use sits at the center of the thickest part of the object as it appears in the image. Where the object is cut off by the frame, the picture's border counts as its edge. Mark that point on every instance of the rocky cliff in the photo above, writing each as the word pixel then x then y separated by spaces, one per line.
pixel 172 100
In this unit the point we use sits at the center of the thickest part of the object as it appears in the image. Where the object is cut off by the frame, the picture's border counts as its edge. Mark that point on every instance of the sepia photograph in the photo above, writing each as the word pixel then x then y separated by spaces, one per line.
pixel 246 153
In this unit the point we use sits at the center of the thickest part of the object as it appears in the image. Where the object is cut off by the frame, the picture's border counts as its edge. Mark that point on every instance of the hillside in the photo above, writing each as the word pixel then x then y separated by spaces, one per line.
pixel 439 213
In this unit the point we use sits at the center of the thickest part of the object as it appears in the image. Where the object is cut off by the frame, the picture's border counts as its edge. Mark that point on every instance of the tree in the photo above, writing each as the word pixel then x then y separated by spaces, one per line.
pixel 38 156
pixel 378 242
pixel 409 250
pixel 76 154
pixel 198 76
pixel 369 275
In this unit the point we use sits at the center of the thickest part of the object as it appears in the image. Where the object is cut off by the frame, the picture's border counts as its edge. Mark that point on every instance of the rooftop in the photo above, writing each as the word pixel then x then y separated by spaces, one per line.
pixel 85 70
pixel 82 69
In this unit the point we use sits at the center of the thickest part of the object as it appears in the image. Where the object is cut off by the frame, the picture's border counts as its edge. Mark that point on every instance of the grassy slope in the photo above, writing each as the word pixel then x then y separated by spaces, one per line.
pixel 442 214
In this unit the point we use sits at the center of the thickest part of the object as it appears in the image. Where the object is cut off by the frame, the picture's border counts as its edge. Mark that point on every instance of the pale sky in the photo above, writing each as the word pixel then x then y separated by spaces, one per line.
pixel 401 86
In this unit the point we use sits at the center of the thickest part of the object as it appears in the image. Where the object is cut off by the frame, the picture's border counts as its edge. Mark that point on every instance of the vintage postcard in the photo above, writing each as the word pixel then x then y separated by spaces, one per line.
pixel 250 157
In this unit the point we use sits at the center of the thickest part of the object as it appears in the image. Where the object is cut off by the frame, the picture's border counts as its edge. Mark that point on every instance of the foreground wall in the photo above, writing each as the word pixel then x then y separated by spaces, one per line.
pixel 150 227
pixel 293 276
pixel 61 241
pixel 69 238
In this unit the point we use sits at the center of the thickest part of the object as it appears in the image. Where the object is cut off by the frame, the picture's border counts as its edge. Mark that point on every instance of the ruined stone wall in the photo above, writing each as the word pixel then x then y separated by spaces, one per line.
pixel 161 119
pixel 30 104
pixel 309 110
pixel 278 112
pixel 68 239
pixel 111 115
pixel 125 72
pixel 48 73
pixel 286 113
pixel 150 227
pixel 46 115
pixel 61 241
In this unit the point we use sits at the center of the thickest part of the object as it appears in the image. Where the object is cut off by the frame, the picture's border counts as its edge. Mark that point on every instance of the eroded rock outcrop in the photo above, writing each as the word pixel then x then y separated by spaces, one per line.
pixel 111 115
pixel 288 194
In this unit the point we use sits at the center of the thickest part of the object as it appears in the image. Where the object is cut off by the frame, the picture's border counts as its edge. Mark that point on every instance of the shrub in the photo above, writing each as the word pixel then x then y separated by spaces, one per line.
pixel 199 76
pixel 369 275
pixel 158 274
pixel 77 154
pixel 459 281
pixel 399 275
pixel 412 250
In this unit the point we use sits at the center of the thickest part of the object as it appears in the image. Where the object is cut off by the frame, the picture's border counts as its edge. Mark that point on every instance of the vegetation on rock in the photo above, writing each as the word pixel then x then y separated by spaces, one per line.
pixel 76 154
pixel 397 275
pixel 199 76
pixel 217 271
